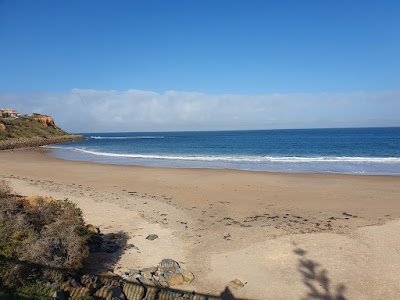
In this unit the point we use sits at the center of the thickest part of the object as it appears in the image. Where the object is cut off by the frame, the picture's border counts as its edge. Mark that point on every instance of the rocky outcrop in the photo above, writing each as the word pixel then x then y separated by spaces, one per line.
pixel 146 284
pixel 167 273
pixel 38 141
pixel 46 121
pixel 2 127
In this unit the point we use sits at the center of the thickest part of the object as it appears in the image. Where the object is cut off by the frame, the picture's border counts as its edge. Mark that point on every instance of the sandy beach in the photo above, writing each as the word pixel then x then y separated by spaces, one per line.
pixel 286 236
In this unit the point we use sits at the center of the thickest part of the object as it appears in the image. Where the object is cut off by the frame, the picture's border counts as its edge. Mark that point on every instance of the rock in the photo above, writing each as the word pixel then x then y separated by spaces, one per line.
pixel 174 279
pixel 109 281
pixel 147 274
pixel 2 127
pixel 170 295
pixel 146 281
pixel 236 284
pixel 151 289
pixel 109 293
pixel 133 290
pixel 79 292
pixel 86 279
pixel 133 279
pixel 14 143
pixel 69 284
pixel 152 237
pixel 91 228
pixel 46 121
pixel 152 293
pixel 133 271
pixel 202 297
pixel 188 277
pixel 162 282
pixel 65 286
pixel 168 264
pixel 151 270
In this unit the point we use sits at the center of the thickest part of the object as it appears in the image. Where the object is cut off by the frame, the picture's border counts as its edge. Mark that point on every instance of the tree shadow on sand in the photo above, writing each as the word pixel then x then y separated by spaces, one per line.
pixel 106 251
pixel 316 280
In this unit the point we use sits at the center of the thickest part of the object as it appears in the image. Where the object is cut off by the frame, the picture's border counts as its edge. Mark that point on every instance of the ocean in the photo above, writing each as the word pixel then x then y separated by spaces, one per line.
pixel 368 151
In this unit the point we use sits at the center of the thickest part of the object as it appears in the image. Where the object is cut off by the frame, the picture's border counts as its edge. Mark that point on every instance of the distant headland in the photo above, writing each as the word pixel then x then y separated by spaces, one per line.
pixel 33 130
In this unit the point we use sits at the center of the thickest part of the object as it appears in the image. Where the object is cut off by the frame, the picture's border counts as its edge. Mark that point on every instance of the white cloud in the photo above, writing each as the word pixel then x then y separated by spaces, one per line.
pixel 84 110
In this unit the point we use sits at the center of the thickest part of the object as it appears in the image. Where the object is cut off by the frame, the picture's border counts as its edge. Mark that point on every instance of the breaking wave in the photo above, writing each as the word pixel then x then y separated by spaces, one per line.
pixel 124 137
pixel 244 159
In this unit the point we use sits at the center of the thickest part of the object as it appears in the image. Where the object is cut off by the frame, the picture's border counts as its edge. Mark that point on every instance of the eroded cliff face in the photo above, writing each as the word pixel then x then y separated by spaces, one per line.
pixel 2 127
pixel 46 121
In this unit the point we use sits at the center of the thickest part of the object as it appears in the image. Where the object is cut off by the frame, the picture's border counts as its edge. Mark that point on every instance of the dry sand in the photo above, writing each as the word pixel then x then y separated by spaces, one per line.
pixel 286 236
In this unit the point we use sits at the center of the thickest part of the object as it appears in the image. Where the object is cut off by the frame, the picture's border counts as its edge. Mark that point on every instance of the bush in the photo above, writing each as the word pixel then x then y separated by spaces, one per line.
pixel 34 290
pixel 40 231
pixel 5 189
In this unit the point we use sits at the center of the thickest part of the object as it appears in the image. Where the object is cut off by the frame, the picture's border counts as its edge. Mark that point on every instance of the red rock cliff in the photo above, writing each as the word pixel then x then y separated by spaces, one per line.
pixel 46 121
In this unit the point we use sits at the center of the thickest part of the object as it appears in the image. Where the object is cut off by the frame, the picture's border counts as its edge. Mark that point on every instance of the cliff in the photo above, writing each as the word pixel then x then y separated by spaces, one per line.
pixel 46 121
pixel 31 131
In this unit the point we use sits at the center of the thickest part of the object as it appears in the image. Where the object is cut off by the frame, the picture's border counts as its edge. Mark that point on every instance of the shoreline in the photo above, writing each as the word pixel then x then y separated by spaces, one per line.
pixel 46 151
pixel 226 224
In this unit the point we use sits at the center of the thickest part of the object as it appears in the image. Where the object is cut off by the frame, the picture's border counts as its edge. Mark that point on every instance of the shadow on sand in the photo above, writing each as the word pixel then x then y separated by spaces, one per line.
pixel 316 279
pixel 106 251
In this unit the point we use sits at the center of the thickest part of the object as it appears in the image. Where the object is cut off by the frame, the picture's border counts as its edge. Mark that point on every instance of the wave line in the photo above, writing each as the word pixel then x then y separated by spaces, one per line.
pixel 255 159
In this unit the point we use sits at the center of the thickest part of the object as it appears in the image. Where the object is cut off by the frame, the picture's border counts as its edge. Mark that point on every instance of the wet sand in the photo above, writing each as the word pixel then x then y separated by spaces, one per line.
pixel 287 236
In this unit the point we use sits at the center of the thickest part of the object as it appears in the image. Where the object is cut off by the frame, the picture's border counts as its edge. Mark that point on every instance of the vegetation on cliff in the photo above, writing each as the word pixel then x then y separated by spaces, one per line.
pixel 29 126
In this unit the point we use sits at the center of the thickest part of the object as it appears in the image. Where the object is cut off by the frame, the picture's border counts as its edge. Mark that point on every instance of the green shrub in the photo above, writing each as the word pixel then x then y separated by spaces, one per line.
pixel 35 290
pixel 45 232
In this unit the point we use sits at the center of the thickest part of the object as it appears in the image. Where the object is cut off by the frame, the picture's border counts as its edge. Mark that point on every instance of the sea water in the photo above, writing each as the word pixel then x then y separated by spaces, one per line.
pixel 348 150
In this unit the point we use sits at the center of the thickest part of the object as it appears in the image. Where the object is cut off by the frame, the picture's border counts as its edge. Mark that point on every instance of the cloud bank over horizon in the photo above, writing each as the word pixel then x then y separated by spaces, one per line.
pixel 85 110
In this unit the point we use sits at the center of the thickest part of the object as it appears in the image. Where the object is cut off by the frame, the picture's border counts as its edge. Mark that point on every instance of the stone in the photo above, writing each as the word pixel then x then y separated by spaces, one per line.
pixel 163 282
pixel 79 292
pixel 201 297
pixel 188 276
pixel 2 127
pixel 168 264
pixel 37 141
pixel 147 282
pixel 91 228
pixel 151 270
pixel 133 271
pixel 87 280
pixel 65 286
pixel 133 279
pixel 174 279
pixel 133 290
pixel 236 284
pixel 152 237
pixel 110 293
pixel 147 274
pixel 174 295
pixel 151 289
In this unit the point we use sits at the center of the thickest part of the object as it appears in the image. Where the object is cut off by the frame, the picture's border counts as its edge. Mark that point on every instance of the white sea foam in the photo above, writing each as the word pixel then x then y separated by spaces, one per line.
pixel 244 159
pixel 124 137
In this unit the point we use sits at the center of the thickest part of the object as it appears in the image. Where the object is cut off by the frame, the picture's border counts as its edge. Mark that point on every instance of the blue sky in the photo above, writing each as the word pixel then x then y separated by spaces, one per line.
pixel 302 51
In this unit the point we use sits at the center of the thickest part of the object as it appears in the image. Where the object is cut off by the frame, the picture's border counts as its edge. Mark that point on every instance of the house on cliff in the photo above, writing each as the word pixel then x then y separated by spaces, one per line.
pixel 9 113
